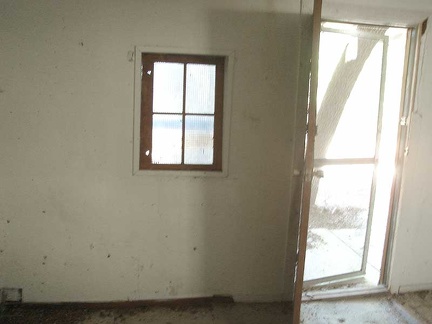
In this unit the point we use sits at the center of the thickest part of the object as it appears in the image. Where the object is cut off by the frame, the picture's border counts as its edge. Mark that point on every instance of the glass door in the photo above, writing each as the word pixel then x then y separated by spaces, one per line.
pixel 351 85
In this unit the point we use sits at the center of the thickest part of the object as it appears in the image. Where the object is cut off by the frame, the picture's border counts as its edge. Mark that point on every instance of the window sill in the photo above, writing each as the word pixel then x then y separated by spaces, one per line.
pixel 175 173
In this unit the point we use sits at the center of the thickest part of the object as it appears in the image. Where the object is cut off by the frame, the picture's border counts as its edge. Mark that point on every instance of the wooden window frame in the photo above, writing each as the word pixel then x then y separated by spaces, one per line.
pixel 146 131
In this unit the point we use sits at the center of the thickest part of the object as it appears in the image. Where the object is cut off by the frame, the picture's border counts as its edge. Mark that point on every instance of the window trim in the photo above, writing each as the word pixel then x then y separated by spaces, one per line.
pixel 148 59
pixel 226 114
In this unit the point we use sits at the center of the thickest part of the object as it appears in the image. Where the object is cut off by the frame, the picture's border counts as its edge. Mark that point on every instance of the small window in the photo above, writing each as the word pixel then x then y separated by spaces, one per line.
pixel 181 112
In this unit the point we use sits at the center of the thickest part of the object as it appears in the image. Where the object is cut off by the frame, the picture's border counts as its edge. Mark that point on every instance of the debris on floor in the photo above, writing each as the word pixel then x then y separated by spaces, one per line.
pixel 409 308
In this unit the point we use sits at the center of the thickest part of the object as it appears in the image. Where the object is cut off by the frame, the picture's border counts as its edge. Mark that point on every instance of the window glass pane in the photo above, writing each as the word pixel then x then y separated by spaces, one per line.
pixel 199 140
pixel 167 139
pixel 168 87
pixel 200 88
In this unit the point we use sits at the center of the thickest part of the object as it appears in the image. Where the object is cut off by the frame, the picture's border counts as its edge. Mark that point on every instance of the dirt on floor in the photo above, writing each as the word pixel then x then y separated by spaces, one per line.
pixel 411 308
pixel 212 312
pixel 24 315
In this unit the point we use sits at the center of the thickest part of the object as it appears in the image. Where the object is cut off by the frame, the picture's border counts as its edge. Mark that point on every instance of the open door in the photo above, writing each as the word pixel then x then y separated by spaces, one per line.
pixel 358 108
pixel 309 51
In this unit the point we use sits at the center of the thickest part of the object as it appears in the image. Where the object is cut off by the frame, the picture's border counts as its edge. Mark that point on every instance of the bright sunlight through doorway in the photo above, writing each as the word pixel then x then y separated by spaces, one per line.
pixel 361 71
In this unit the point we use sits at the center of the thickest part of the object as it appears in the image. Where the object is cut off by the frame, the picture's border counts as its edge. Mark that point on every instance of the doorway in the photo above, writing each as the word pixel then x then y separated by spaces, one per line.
pixel 360 82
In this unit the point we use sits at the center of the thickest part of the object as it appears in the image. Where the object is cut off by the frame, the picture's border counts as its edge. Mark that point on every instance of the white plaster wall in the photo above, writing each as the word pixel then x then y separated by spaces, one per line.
pixel 412 257
pixel 75 225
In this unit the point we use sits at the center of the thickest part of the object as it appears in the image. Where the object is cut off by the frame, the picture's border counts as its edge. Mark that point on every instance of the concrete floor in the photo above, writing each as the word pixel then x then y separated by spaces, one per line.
pixel 358 310
pixel 418 304
pixel 408 308
pixel 212 312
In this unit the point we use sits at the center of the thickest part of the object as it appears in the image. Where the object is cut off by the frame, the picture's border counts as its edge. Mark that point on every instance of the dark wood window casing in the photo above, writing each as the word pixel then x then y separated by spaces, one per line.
pixel 146 131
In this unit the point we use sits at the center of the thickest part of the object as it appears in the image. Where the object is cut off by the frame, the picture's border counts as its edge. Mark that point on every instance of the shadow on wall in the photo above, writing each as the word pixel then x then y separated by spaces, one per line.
pixel 243 219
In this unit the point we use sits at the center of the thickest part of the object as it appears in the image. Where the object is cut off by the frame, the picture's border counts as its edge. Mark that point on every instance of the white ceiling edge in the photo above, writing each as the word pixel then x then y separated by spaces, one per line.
pixel 379 12
pixel 419 5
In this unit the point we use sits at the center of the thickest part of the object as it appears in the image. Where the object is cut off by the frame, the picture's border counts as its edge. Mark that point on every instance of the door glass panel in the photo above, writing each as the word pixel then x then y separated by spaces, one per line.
pixel 361 69
pixel 338 220
pixel 348 96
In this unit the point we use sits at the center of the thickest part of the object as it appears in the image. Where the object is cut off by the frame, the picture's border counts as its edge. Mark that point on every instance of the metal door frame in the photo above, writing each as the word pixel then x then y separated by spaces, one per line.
pixel 359 161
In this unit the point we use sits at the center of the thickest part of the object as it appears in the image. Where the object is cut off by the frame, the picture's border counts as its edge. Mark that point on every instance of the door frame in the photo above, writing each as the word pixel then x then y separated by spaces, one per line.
pixel 409 92
pixel 308 161
pixel 300 205
pixel 358 161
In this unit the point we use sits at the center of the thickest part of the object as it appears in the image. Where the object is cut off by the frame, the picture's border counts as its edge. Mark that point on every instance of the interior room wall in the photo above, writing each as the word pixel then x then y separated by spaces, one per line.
pixel 76 225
